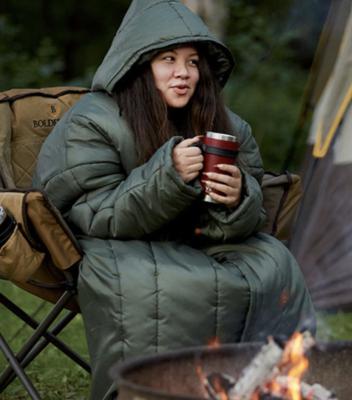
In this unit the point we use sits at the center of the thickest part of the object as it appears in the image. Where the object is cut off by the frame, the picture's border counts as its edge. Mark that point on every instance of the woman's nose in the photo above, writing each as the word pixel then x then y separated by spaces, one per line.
pixel 181 70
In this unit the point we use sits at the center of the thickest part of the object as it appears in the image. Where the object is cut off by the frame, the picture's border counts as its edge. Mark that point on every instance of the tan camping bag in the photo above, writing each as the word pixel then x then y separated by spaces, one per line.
pixel 40 248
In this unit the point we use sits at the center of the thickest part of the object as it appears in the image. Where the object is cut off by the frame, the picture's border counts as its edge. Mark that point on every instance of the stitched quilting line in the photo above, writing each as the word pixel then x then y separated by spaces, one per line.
pixel 156 274
pixel 217 301
pixel 133 16
pixel 119 295
pixel 181 18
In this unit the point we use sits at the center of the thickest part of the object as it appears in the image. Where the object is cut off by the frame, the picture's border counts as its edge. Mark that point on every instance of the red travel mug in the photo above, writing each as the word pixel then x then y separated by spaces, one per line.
pixel 218 148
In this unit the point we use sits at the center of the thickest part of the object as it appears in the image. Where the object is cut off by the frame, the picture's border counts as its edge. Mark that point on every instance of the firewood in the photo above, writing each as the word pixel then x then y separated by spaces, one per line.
pixel 264 366
pixel 261 369
pixel 311 392
pixel 218 384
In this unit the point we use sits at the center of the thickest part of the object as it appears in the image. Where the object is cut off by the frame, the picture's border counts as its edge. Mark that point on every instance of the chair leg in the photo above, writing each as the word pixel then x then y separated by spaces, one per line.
pixel 50 336
pixel 9 375
pixel 40 346
pixel 18 369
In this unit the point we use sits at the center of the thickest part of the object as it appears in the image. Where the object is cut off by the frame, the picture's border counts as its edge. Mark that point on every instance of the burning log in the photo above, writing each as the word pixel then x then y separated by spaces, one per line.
pixel 217 383
pixel 264 367
pixel 311 392
pixel 219 386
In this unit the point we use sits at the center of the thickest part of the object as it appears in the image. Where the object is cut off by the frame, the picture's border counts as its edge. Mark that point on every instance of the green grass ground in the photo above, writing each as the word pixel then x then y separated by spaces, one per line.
pixel 58 378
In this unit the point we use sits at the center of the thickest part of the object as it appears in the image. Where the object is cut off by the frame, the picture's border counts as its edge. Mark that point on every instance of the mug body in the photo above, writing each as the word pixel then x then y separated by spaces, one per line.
pixel 218 148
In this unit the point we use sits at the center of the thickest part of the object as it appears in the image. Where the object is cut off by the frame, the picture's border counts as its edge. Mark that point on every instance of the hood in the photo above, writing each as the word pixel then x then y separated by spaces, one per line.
pixel 151 25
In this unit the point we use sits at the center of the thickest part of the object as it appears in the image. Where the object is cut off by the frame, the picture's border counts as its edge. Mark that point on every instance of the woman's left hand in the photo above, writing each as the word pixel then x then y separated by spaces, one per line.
pixel 228 185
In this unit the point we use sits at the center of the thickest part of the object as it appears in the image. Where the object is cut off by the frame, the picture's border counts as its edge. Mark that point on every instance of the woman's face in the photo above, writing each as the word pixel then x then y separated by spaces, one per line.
pixel 176 75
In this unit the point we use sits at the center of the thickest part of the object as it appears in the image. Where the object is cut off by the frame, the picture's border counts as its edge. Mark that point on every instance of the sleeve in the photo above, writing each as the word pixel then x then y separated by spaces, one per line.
pixel 104 201
pixel 221 224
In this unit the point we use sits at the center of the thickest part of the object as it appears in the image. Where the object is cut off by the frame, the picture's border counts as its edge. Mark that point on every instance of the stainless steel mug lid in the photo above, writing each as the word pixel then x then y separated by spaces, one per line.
pixel 221 136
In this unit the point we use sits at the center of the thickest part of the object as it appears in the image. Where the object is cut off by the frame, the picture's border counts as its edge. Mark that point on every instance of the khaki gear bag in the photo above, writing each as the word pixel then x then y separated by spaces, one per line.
pixel 27 117
pixel 40 248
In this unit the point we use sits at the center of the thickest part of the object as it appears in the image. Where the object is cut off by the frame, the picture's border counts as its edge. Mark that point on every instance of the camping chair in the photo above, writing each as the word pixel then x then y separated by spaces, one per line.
pixel 42 255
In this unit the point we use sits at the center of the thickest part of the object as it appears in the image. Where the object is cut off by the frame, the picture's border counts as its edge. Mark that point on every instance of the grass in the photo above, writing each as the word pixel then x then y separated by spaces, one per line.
pixel 334 326
pixel 56 377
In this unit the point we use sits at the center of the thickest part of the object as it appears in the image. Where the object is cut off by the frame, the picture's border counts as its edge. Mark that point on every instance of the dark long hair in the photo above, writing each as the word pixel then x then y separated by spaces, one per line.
pixel 151 121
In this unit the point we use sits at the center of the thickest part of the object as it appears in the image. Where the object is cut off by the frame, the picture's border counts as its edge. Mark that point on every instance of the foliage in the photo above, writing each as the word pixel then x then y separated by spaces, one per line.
pixel 80 33
pixel 268 84
pixel 18 68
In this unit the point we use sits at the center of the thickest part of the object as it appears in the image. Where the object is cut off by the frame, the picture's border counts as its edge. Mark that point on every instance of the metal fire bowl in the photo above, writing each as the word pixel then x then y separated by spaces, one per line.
pixel 174 375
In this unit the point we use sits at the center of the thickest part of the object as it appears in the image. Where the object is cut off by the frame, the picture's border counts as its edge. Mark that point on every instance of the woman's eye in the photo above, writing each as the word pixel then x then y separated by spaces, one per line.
pixel 194 62
pixel 168 58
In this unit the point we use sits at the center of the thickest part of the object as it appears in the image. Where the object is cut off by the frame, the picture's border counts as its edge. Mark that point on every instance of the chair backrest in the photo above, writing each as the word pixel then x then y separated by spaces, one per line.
pixel 281 196
pixel 41 248
pixel 27 117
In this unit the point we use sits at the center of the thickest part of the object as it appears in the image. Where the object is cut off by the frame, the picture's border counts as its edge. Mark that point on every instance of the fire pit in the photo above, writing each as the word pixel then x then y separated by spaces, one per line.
pixel 175 375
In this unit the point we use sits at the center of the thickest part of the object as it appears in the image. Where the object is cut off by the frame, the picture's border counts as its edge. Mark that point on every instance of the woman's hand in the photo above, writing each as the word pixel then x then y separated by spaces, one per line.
pixel 228 184
pixel 188 159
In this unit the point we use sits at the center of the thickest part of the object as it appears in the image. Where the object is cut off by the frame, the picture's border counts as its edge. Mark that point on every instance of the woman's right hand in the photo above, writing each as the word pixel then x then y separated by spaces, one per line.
pixel 188 159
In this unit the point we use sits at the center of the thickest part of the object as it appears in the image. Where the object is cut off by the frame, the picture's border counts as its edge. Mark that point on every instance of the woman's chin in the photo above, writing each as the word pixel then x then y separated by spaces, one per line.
pixel 178 103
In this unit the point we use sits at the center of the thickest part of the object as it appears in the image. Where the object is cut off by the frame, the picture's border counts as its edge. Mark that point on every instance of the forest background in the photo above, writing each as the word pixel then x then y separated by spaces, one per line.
pixel 61 43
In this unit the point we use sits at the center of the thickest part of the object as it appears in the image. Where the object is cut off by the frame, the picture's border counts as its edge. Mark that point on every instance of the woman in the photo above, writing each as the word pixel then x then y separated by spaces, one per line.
pixel 162 269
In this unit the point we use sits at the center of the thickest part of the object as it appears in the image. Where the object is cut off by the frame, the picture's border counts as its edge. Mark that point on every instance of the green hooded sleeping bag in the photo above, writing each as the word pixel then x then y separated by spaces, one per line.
pixel 146 284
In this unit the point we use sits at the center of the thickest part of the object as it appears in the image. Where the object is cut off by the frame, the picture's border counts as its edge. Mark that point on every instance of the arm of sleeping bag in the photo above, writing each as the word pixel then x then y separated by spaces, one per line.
pixel 104 201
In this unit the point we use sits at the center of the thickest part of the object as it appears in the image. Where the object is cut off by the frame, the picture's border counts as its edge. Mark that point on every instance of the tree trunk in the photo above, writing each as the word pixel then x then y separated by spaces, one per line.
pixel 213 12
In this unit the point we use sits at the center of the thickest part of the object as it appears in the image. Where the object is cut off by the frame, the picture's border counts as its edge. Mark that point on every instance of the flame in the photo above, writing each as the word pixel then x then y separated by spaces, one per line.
pixel 202 379
pixel 295 363
pixel 274 388
pixel 220 391
pixel 214 343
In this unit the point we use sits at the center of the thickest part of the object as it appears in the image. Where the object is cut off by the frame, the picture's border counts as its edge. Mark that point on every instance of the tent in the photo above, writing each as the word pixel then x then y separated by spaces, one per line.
pixel 322 236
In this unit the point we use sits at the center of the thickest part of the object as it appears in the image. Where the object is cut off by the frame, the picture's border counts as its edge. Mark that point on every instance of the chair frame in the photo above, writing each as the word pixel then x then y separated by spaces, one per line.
pixel 40 338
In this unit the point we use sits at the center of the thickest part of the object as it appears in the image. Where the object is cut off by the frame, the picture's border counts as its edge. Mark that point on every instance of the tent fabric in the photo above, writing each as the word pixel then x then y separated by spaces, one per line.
pixel 336 97
pixel 322 236
pixel 328 47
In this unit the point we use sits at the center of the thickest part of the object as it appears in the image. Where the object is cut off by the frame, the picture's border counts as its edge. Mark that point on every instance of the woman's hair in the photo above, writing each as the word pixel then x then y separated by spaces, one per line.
pixel 151 121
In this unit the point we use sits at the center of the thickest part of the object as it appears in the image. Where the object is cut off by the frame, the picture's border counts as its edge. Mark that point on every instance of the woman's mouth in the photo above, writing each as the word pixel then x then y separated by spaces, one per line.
pixel 180 89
